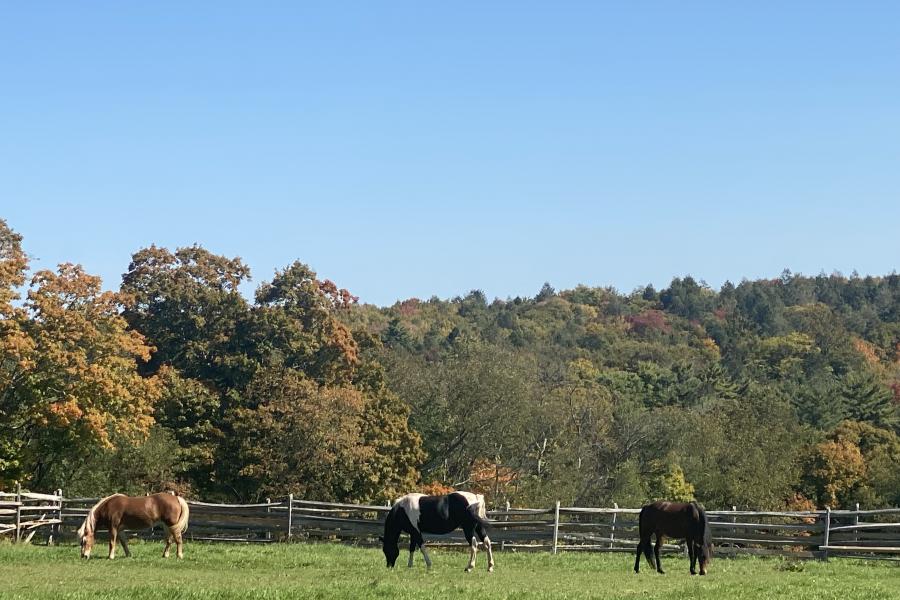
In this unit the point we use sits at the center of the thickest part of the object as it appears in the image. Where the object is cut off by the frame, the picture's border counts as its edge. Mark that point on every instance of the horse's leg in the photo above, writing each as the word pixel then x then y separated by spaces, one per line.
pixel 179 545
pixel 692 552
pixel 124 541
pixel 416 540
pixel 113 532
pixel 473 548
pixel 637 559
pixel 425 555
pixel 169 538
pixel 659 543
pixel 487 546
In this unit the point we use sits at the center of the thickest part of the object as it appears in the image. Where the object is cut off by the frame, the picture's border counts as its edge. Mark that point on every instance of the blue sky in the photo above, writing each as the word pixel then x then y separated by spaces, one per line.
pixel 405 150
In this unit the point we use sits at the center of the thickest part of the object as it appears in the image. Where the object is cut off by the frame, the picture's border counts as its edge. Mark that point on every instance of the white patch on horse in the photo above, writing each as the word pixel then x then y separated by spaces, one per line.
pixel 475 499
pixel 410 505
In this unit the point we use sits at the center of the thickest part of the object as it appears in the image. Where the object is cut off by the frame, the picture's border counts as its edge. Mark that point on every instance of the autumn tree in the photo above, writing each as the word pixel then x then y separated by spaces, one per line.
pixel 81 387
pixel 316 441
pixel 835 468
pixel 295 324
pixel 16 348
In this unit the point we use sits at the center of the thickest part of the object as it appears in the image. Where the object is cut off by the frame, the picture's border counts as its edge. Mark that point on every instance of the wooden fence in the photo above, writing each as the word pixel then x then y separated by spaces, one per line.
pixel 810 534
pixel 22 513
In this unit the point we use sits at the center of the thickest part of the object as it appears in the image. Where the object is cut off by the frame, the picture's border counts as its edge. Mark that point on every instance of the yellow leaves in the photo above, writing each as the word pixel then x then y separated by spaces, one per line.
pixel 582 369
pixel 64 413
pixel 837 467
pixel 709 345
pixel 785 355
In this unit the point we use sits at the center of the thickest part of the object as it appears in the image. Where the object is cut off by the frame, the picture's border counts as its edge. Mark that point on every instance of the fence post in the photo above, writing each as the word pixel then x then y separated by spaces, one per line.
pixel 612 533
pixel 856 522
pixel 827 532
pixel 18 512
pixel 505 518
pixel 268 511
pixel 54 529
pixel 555 527
pixel 290 516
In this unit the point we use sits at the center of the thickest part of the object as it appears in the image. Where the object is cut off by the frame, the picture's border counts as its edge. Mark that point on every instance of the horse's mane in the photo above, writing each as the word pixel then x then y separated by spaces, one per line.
pixel 91 520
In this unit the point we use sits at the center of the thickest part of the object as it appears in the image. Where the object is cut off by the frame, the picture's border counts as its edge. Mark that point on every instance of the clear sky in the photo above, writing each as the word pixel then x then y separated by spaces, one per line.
pixel 405 150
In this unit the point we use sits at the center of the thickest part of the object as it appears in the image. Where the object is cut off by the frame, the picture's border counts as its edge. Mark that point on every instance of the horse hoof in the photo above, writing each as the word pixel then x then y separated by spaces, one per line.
pixel 468 569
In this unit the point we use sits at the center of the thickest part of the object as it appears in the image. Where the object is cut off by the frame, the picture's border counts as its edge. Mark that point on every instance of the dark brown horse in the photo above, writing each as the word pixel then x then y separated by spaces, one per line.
pixel 679 520
pixel 120 512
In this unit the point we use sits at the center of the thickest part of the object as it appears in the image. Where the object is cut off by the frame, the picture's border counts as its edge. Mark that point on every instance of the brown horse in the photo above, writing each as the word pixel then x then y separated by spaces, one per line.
pixel 119 512
pixel 679 520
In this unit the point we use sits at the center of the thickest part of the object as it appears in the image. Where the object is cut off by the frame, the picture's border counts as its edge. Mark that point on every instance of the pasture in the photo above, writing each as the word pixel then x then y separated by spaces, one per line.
pixel 324 570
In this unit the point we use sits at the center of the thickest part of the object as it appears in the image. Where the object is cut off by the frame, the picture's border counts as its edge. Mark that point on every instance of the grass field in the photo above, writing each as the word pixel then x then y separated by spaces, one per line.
pixel 335 571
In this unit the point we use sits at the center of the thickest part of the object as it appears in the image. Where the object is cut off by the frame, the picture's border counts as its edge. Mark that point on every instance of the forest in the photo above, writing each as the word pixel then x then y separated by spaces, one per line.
pixel 777 393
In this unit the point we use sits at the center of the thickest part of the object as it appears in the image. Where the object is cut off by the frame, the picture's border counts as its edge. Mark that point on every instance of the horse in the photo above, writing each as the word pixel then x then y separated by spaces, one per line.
pixel 416 514
pixel 680 520
pixel 119 512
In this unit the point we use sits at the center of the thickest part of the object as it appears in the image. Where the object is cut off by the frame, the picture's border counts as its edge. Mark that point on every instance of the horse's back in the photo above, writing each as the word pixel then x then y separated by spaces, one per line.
pixel 141 512
pixel 437 514
pixel 673 519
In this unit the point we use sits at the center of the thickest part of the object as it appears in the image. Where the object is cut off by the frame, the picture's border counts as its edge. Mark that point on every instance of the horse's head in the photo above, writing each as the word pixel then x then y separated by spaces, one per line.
pixel 704 555
pixel 391 552
pixel 87 541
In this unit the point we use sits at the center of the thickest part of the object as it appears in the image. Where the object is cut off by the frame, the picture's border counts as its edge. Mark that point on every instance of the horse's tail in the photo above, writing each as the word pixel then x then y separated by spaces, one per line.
pixel 478 514
pixel 181 525
pixel 704 532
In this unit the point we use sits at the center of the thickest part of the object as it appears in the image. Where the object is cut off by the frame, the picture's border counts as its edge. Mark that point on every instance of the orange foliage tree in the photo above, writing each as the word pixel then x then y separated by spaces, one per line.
pixel 79 387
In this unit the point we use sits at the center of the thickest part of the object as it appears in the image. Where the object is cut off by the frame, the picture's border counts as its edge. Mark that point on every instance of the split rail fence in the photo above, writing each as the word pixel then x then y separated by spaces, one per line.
pixel 809 534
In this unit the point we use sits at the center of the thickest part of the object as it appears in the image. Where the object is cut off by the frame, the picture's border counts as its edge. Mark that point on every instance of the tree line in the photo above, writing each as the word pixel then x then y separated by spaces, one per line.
pixel 781 393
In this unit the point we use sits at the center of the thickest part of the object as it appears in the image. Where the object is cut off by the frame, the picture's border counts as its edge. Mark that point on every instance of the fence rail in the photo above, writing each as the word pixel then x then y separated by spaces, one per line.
pixel 802 534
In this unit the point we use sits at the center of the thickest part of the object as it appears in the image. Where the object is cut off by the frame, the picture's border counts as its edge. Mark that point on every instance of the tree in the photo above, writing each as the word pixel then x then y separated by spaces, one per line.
pixel 82 387
pixel 396 335
pixel 880 450
pixel 686 298
pixel 189 411
pixel 188 306
pixel 16 347
pixel 477 404
pixel 866 399
pixel 671 484
pixel 295 324
pixel 834 470
pixel 319 442
pixel 546 293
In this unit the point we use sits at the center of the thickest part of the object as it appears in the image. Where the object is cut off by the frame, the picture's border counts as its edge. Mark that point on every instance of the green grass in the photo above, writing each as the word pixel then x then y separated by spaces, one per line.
pixel 336 571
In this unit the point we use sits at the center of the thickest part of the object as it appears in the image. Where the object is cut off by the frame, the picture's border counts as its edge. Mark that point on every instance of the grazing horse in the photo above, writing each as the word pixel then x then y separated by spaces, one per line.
pixel 416 514
pixel 679 520
pixel 119 512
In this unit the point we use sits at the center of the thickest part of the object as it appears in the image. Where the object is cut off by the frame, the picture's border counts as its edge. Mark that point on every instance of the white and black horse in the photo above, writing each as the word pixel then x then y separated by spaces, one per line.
pixel 416 514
